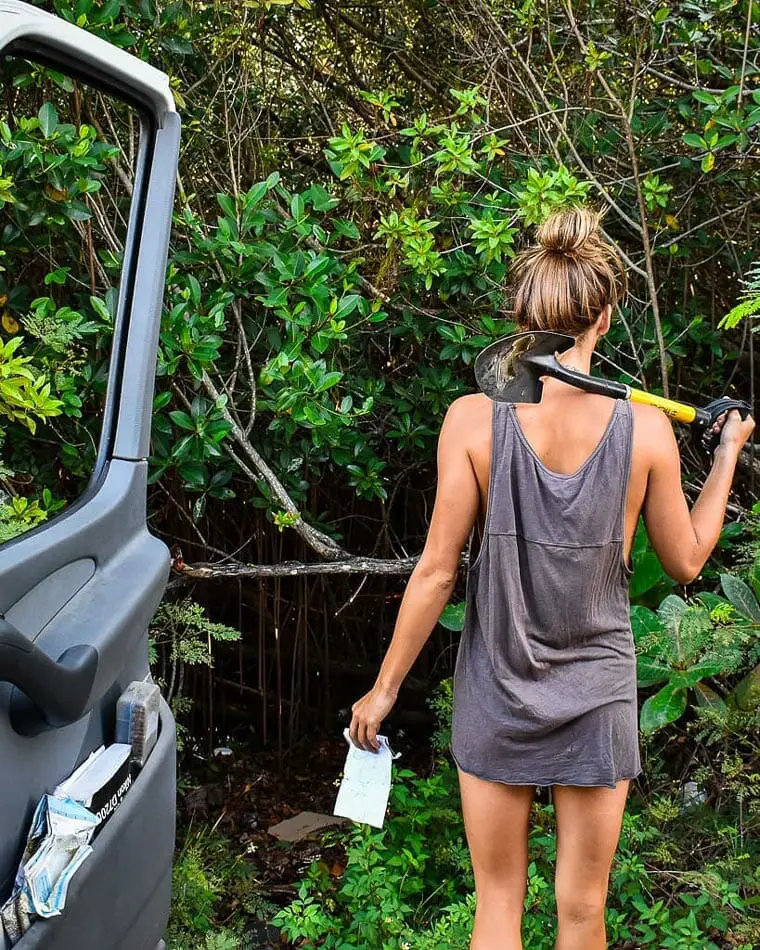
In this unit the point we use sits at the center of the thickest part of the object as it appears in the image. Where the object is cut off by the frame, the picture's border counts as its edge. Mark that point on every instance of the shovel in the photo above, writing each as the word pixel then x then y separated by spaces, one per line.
pixel 512 370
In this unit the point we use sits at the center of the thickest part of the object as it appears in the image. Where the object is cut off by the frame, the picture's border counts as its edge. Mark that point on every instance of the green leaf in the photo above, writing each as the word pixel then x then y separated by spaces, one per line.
pixel 740 596
pixel 255 194
pixel 647 573
pixel 297 207
pixel 313 415
pixel 347 229
pixel 317 267
pixel 707 698
pixel 644 621
pixel 706 668
pixel 321 341
pixel 649 672
pixel 182 419
pixel 346 306
pixel 755 576
pixel 666 706
pixel 193 474
pixel 328 381
pixel 671 609
pixel 110 10
pixel 452 617
pixel 100 307
pixel 227 204
pixel 710 600
pixel 694 140
pixel 48 119
pixel 320 198
pixel 746 694
pixel 77 211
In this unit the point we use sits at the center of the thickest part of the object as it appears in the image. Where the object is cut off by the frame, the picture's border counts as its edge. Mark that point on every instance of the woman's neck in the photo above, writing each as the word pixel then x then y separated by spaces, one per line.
pixel 578 357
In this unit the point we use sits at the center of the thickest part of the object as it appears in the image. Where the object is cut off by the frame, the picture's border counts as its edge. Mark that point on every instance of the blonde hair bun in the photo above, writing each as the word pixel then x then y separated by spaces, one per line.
pixel 566 232
pixel 563 282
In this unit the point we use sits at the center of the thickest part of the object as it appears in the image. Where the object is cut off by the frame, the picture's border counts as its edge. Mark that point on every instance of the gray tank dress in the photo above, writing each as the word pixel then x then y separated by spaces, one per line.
pixel 545 675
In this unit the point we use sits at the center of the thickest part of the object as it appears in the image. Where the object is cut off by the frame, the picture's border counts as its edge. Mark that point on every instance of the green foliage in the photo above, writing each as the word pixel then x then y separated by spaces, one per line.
pixel 648 582
pixel 391 874
pixel 750 305
pixel 682 645
pixel 452 617
pixel 410 884
pixel 335 276
pixel 181 635
pixel 195 891
pixel 205 873
pixel 215 891
pixel 24 394
pixel 184 626
pixel 19 514
pixel 53 347
pixel 541 194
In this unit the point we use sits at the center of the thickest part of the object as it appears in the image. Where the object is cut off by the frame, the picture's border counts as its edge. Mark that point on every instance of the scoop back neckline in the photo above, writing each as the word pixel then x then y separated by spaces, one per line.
pixel 584 465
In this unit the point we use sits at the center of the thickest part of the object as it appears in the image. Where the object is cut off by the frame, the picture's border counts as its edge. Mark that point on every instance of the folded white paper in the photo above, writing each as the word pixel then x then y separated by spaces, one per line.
pixel 366 784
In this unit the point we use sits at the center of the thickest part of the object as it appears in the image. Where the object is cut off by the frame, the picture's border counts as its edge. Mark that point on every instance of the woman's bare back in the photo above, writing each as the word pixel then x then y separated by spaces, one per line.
pixel 563 430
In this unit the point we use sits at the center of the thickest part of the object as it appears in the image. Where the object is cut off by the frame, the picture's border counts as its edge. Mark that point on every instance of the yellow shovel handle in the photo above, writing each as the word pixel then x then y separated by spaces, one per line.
pixel 676 410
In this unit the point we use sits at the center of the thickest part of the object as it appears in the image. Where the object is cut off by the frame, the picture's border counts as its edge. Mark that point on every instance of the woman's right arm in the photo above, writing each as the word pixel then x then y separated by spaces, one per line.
pixel 682 539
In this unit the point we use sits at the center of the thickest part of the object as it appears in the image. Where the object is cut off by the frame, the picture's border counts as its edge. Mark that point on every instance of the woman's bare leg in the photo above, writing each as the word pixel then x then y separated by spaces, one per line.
pixel 496 823
pixel 588 830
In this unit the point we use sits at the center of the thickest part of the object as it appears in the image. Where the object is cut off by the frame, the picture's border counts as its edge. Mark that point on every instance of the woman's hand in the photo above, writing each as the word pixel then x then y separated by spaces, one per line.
pixel 734 431
pixel 369 712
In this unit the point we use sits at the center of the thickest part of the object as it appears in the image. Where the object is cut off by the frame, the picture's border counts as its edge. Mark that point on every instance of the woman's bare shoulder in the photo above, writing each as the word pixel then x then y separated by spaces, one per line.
pixel 471 413
pixel 652 430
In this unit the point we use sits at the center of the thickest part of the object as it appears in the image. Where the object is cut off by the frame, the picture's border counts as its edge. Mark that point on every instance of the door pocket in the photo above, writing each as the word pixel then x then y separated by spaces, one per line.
pixel 142 825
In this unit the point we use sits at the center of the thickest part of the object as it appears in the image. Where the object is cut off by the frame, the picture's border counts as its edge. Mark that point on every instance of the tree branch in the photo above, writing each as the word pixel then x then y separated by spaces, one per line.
pixel 322 543
pixel 350 565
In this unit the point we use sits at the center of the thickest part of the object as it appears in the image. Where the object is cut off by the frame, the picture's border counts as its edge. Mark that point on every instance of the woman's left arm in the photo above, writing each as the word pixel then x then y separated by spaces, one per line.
pixel 432 581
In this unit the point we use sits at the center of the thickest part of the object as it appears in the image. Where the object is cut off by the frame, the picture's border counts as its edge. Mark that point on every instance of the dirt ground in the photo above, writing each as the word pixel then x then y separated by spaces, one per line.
pixel 249 795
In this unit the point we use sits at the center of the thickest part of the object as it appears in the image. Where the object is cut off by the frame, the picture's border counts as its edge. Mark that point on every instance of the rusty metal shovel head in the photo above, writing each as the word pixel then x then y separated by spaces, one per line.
pixel 505 372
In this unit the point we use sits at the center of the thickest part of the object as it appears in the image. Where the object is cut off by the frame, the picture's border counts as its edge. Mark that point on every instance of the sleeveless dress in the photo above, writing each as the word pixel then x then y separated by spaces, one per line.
pixel 545 674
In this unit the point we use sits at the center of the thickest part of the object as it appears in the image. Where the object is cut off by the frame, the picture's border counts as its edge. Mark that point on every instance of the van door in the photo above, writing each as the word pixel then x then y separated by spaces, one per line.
pixel 80 581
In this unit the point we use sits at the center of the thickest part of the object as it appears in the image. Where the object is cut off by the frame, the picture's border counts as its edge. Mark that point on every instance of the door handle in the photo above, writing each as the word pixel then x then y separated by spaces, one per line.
pixel 61 690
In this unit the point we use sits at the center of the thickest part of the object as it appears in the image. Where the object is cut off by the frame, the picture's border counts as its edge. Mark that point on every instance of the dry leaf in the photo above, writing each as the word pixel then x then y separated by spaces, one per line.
pixel 10 324
pixel 55 194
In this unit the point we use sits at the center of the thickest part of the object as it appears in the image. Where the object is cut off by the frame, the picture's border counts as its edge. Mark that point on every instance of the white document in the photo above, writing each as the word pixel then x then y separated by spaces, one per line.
pixel 366 785
pixel 94 774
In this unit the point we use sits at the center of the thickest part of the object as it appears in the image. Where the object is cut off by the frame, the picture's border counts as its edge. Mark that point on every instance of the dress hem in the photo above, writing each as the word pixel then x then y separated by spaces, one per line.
pixel 549 784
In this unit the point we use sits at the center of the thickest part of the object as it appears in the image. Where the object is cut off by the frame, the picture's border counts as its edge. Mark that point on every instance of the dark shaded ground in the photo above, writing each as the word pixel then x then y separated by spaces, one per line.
pixel 247 796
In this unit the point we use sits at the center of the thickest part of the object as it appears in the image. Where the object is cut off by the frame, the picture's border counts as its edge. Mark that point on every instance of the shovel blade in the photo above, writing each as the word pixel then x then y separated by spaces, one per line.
pixel 504 370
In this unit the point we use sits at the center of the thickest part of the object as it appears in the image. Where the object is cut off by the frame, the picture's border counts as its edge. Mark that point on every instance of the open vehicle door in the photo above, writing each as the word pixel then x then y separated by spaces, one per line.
pixel 78 591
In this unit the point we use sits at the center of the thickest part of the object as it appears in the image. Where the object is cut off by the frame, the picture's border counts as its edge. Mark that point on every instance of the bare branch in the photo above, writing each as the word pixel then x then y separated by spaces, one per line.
pixel 351 565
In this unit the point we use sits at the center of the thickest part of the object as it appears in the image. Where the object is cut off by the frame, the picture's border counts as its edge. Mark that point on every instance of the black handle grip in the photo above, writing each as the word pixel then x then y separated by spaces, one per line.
pixel 549 365
pixel 709 415
pixel 60 690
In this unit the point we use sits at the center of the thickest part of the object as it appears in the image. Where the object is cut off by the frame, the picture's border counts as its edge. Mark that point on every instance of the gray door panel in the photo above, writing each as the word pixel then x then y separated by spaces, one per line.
pixel 110 906
pixel 132 436
pixel 93 576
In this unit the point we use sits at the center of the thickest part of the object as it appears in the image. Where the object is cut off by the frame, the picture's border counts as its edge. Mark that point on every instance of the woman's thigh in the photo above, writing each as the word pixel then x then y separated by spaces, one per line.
pixel 496 818
pixel 589 821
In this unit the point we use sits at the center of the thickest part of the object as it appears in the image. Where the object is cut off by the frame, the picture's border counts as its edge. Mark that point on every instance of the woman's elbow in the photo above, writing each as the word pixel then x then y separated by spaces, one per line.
pixel 686 571
pixel 440 575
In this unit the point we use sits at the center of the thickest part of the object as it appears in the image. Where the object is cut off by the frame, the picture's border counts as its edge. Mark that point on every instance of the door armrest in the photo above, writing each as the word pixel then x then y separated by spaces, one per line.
pixel 60 689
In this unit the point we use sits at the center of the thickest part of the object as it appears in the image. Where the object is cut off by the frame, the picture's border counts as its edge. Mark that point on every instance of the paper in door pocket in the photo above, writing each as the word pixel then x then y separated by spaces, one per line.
pixel 366 784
